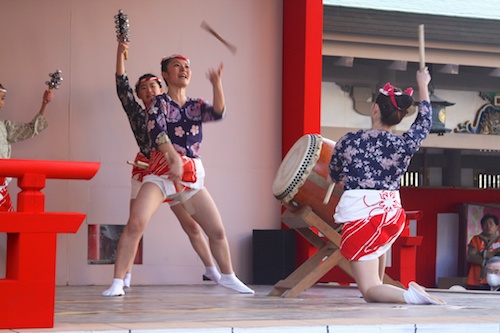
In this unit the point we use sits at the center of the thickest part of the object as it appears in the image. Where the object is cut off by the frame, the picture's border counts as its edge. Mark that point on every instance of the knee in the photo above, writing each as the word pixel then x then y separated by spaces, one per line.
pixel 192 229
pixel 134 228
pixel 217 235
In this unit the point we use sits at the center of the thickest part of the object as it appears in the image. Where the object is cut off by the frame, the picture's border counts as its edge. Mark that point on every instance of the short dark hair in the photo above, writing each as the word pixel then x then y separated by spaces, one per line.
pixel 146 76
pixel 487 217
pixel 492 260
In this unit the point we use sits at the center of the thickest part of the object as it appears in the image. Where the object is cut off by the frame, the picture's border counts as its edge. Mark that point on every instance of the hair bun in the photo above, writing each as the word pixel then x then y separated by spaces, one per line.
pixel 404 101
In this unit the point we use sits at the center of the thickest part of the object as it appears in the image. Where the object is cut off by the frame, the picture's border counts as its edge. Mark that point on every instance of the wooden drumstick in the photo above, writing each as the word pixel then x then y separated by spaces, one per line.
pixel 329 192
pixel 230 46
pixel 139 164
pixel 421 45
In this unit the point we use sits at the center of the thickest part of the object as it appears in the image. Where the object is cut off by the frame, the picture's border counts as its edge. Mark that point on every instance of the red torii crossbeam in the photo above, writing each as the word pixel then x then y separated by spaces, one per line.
pixel 27 293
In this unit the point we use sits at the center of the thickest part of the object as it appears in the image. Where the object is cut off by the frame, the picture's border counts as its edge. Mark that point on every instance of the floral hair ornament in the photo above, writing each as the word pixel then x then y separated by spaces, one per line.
pixel 146 79
pixel 388 90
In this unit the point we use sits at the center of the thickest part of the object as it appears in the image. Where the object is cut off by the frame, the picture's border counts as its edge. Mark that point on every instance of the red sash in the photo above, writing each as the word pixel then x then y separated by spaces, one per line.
pixel 158 166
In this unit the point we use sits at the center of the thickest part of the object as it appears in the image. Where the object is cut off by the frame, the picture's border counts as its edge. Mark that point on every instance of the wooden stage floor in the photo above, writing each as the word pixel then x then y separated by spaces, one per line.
pixel 214 309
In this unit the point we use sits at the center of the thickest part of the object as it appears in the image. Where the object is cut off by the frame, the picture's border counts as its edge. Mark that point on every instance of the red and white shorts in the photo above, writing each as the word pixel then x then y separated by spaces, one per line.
pixel 5 202
pixel 373 221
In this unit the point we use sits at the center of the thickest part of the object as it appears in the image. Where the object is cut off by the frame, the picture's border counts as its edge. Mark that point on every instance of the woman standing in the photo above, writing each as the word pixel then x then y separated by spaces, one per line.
pixel 175 170
pixel 147 87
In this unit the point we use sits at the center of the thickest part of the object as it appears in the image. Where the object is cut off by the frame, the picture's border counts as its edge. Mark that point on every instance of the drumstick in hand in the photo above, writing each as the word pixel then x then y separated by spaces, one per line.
pixel 421 45
pixel 139 164
pixel 182 195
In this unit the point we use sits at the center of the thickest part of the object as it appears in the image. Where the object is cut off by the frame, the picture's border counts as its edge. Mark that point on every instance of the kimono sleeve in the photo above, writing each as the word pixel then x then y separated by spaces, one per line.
pixel 156 122
pixel 17 131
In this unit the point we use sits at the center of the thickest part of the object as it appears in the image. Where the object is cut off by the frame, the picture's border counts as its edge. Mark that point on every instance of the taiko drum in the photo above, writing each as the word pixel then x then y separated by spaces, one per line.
pixel 303 177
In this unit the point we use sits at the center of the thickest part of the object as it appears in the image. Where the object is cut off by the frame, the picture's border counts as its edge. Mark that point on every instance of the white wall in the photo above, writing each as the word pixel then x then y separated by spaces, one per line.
pixel 447 245
pixel 86 123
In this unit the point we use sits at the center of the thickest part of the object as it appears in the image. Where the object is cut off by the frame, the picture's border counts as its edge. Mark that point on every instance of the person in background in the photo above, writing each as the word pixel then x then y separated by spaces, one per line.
pixel 147 87
pixel 481 248
pixel 493 273
pixel 370 164
pixel 12 132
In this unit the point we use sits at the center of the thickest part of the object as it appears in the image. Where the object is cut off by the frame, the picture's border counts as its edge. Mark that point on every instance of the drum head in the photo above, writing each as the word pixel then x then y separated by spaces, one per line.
pixel 296 166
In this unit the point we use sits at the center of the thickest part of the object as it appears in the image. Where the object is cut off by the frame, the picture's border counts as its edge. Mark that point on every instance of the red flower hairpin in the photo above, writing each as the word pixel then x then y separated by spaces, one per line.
pixel 388 90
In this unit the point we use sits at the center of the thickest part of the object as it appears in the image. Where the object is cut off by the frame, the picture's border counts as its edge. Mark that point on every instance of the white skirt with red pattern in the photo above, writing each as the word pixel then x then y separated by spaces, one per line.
pixel 373 220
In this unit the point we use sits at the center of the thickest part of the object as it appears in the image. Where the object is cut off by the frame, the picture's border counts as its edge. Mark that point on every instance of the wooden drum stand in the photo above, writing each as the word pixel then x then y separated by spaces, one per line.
pixel 327 257
pixel 303 187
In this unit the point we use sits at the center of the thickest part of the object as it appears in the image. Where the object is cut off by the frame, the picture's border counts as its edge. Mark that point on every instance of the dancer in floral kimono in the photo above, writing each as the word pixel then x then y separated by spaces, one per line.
pixel 370 164
pixel 12 132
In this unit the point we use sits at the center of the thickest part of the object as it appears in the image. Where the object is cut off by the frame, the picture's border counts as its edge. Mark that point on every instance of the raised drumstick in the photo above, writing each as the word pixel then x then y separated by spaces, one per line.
pixel 421 45
pixel 230 46
pixel 329 192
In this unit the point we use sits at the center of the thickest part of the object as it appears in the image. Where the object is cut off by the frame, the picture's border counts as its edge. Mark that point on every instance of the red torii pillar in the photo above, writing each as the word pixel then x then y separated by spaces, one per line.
pixel 301 81
pixel 27 293
pixel 302 70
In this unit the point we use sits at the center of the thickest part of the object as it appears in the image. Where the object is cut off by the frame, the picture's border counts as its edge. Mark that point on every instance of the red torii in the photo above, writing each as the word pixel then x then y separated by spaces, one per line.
pixel 27 293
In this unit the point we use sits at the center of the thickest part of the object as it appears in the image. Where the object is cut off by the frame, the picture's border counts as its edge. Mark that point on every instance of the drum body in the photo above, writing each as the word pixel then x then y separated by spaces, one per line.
pixel 303 177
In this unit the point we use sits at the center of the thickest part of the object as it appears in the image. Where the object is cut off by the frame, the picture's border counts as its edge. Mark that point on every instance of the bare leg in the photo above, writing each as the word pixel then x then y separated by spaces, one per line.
pixel 198 241
pixel 208 217
pixel 193 231
pixel 367 276
pixel 128 276
pixel 381 266
pixel 147 202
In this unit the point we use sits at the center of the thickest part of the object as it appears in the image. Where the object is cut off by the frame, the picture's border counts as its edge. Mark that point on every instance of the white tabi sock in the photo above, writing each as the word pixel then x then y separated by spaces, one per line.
pixel 116 289
pixel 212 273
pixel 126 280
pixel 417 295
pixel 232 282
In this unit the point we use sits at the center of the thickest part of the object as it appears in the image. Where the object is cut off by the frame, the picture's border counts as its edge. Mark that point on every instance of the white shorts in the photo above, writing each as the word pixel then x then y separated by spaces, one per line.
pixel 168 187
